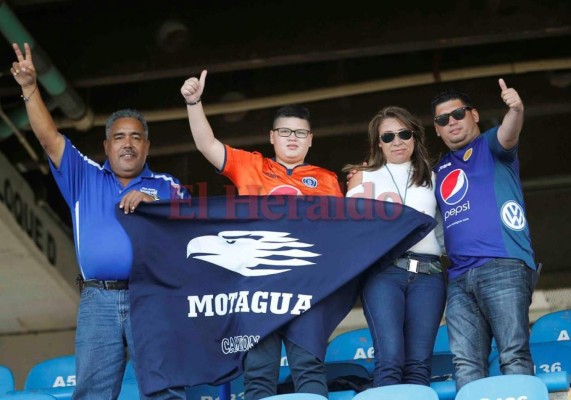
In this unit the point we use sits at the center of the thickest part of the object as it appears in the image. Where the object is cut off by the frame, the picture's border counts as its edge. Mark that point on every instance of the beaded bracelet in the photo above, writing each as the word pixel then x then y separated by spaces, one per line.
pixel 30 95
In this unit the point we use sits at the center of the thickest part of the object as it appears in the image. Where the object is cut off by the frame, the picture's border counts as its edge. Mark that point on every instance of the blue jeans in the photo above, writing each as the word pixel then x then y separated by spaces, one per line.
pixel 403 310
pixel 103 331
pixel 490 301
pixel 262 367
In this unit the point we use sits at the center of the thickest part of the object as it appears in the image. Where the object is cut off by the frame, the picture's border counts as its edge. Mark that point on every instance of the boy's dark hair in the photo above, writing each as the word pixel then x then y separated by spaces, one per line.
pixel 293 110
pixel 450 94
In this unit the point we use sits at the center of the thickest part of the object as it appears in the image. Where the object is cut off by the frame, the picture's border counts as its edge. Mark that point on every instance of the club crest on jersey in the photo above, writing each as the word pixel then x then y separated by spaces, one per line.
pixel 454 187
pixel 243 251
pixel 467 154
pixel 309 181
pixel 513 216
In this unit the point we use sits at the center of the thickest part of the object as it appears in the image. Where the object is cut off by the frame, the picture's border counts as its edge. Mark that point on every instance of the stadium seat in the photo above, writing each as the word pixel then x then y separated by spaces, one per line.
pixel 503 387
pixel 55 376
pixel 209 392
pixel 296 396
pixel 129 387
pixel 446 390
pixel 342 395
pixel 556 381
pixel 552 327
pixel 442 365
pixel 441 344
pixel 129 391
pixel 551 356
pixel 398 392
pixel 552 363
pixel 354 346
pixel 284 366
pixel 494 353
pixel 26 396
pixel 344 380
pixel 6 380
pixel 56 372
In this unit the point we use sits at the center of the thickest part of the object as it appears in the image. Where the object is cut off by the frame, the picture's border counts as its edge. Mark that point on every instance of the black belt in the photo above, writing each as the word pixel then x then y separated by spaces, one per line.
pixel 108 285
pixel 413 265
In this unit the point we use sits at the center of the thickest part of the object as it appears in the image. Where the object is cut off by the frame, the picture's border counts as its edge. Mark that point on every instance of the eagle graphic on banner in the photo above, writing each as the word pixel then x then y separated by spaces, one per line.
pixel 242 251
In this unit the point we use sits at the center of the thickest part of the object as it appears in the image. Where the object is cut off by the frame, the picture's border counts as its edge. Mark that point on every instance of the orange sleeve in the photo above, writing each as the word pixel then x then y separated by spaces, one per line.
pixel 238 163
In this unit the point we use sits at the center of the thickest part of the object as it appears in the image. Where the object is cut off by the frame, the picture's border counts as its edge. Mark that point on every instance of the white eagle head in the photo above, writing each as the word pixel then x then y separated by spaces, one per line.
pixel 242 251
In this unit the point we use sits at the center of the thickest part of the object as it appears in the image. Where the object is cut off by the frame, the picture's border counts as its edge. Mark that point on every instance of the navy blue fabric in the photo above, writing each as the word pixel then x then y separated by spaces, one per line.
pixel 345 236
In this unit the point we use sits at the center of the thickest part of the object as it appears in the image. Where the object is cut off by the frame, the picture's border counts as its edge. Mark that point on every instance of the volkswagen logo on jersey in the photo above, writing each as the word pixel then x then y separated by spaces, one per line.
pixel 513 216
pixel 454 187
pixel 310 181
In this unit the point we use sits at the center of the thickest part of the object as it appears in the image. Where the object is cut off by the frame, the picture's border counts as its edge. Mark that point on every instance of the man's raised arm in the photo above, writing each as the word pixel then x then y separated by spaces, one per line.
pixel 40 118
pixel 202 133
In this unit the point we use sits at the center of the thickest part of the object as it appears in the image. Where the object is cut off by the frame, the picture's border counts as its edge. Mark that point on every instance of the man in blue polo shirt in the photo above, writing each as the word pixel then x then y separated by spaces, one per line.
pixel 103 248
pixel 493 272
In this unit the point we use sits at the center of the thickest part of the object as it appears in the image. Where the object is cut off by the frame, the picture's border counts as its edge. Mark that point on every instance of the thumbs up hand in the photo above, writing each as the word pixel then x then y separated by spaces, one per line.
pixel 510 97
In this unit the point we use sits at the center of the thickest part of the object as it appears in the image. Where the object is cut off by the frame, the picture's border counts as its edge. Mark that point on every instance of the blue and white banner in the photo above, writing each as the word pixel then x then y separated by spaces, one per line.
pixel 213 276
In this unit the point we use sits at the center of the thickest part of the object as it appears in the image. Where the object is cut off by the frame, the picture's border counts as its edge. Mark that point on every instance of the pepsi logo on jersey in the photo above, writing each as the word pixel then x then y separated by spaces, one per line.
pixel 453 189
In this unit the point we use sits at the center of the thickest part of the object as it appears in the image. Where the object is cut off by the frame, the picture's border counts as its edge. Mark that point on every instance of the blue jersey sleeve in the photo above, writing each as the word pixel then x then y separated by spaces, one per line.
pixel 70 176
pixel 506 156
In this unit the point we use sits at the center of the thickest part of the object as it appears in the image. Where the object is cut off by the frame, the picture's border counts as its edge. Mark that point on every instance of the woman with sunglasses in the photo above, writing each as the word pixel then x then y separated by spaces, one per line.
pixel 403 301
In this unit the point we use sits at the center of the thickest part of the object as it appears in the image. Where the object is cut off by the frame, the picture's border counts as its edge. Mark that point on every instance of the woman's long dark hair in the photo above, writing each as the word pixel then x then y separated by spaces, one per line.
pixel 420 160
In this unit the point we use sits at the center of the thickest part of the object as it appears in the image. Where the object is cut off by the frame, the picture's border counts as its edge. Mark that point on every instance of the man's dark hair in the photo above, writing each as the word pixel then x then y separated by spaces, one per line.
pixel 293 111
pixel 126 113
pixel 450 94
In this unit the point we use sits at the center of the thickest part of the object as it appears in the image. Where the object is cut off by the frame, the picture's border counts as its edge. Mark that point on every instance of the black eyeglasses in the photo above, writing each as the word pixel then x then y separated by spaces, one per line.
pixel 388 137
pixel 286 132
pixel 457 114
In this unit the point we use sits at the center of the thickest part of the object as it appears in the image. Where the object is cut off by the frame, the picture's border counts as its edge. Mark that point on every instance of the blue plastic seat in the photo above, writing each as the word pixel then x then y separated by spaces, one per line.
pixel 556 381
pixel 441 343
pixel 58 372
pixel 398 392
pixel 442 368
pixel 6 380
pixel 343 379
pixel 354 346
pixel 342 395
pixel 55 376
pixel 296 396
pixel 446 390
pixel 129 391
pixel 549 358
pixel 284 366
pixel 552 327
pixel 209 392
pixel 26 396
pixel 503 387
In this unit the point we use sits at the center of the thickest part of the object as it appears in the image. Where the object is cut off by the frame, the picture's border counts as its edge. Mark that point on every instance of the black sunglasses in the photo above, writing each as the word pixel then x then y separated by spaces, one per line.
pixel 457 114
pixel 388 137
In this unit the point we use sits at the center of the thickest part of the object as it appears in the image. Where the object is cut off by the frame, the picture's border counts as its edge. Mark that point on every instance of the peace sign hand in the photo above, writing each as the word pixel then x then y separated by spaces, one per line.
pixel 23 69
